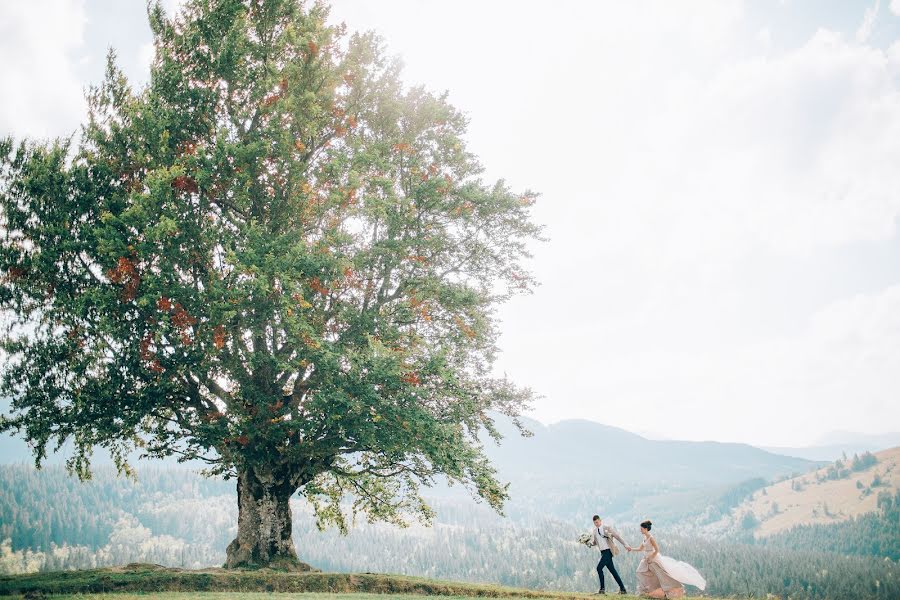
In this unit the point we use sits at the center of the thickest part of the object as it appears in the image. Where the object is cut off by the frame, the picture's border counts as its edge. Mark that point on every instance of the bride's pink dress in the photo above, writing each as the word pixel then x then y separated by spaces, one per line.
pixel 666 573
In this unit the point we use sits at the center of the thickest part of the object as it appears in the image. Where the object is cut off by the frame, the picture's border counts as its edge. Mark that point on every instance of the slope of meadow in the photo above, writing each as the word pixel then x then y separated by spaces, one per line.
pixel 832 494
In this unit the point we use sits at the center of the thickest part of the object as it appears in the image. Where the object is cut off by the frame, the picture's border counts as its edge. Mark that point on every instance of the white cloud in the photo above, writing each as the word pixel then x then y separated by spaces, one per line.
pixel 146 53
pixel 895 7
pixel 845 368
pixel 172 6
pixel 797 151
pixel 39 43
pixel 868 22
pixel 673 164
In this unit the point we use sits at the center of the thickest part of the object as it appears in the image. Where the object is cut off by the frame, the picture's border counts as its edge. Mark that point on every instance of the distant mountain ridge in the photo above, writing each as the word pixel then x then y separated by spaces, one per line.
pixel 836 444
pixel 582 452
pixel 585 452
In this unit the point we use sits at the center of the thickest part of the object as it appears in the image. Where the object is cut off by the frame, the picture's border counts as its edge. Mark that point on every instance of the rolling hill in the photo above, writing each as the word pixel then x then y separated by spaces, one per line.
pixel 588 454
pixel 831 494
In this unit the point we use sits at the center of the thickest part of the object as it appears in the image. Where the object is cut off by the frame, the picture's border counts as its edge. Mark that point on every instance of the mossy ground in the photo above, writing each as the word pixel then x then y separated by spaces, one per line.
pixel 242 596
pixel 162 582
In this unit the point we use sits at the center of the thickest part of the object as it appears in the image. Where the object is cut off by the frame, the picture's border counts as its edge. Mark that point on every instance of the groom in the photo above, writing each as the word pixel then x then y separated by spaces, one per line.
pixel 603 539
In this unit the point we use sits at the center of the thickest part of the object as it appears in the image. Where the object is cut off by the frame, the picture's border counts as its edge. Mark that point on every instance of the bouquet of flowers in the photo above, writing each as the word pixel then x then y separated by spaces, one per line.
pixel 587 539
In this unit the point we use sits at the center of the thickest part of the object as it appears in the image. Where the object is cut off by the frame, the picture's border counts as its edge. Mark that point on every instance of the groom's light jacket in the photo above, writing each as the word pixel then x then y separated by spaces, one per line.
pixel 604 542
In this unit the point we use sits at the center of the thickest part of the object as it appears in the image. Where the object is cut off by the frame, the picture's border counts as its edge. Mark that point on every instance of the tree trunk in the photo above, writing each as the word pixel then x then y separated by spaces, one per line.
pixel 264 523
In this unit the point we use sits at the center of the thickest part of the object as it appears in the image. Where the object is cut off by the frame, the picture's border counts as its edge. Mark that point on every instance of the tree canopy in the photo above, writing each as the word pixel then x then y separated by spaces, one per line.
pixel 275 257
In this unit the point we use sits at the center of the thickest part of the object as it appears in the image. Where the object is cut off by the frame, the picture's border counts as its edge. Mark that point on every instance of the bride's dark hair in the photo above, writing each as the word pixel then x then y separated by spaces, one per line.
pixel 647 525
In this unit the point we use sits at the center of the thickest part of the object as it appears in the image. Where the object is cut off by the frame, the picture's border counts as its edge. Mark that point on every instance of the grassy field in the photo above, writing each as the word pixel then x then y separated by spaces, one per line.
pixel 162 582
pixel 245 596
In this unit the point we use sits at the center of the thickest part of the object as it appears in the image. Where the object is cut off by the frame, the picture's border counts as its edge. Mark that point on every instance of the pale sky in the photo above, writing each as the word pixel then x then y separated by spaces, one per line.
pixel 720 184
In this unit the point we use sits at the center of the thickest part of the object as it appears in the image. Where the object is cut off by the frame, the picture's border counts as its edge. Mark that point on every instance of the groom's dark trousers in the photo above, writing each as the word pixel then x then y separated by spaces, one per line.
pixel 606 560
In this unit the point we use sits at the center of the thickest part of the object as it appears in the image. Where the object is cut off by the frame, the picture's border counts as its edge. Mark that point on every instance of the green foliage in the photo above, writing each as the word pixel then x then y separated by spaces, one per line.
pixel 749 521
pixel 734 495
pixel 274 257
pixel 837 471
pixel 840 470
pixel 80 524
pixel 864 461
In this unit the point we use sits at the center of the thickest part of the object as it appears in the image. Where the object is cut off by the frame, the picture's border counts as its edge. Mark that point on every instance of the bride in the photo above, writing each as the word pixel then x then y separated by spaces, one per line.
pixel 661 576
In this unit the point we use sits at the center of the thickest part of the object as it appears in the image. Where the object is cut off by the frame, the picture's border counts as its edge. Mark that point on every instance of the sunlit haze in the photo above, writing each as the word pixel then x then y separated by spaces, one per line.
pixel 719 184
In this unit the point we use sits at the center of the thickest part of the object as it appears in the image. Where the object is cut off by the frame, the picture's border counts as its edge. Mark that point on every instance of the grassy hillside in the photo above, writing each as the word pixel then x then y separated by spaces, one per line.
pixel 250 596
pixel 832 494
pixel 144 578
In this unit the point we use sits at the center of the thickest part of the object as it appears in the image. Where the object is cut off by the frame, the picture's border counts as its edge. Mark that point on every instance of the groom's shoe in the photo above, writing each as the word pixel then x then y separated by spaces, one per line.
pixel 601 592
pixel 623 591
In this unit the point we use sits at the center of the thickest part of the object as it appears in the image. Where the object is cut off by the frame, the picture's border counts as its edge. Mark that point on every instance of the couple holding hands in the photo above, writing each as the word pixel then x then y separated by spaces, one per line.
pixel 658 576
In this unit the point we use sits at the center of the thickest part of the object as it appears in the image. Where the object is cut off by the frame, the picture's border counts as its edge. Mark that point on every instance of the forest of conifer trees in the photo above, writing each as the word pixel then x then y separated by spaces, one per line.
pixel 50 521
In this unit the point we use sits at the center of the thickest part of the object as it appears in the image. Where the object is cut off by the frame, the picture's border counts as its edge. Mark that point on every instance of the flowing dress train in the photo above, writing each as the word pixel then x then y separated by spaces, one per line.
pixel 666 573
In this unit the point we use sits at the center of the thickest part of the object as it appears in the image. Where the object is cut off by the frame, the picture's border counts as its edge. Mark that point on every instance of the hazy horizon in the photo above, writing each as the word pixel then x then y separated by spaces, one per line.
pixel 718 184
pixel 837 438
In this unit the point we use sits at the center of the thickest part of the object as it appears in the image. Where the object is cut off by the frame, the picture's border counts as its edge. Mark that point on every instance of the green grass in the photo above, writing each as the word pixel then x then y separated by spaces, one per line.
pixel 154 579
pixel 242 596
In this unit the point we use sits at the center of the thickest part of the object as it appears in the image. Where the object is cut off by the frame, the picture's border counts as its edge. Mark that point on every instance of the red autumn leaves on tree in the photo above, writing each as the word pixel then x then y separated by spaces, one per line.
pixel 219 337
pixel 126 274
pixel 148 356
pixel 411 379
pixel 316 285
pixel 184 183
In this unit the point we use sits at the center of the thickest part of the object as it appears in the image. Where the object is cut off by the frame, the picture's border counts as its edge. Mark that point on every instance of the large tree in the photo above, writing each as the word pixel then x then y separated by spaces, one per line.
pixel 275 258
